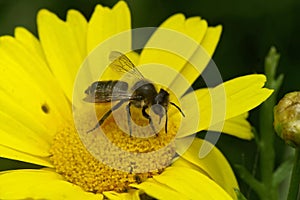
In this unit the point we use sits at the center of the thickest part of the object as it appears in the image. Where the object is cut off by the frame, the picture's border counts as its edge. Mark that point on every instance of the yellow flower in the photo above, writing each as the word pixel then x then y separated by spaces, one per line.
pixel 36 88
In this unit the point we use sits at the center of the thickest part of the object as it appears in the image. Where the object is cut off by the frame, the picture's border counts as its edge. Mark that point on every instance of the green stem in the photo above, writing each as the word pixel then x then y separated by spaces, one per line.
pixel 250 180
pixel 267 134
pixel 267 153
pixel 295 179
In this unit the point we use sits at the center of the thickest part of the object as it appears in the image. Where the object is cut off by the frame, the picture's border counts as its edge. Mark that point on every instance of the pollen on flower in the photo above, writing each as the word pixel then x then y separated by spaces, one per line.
pixel 96 167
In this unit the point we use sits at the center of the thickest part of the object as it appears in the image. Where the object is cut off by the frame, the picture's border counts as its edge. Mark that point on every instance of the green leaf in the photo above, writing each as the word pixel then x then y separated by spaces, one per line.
pixel 282 172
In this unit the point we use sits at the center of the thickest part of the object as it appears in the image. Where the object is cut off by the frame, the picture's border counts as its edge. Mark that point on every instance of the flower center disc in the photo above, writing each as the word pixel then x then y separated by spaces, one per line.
pixel 81 166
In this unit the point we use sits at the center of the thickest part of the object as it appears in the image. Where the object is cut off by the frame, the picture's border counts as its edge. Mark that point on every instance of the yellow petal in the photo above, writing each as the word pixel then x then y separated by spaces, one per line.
pixel 24 76
pixel 108 30
pixel 181 162
pixel 211 39
pixel 214 164
pixel 238 127
pixel 78 26
pixel 172 44
pixel 105 23
pixel 223 102
pixel 40 184
pixel 23 134
pixel 31 43
pixel 197 63
pixel 6 152
pixel 245 93
pixel 32 104
pixel 62 50
pixel 191 183
pixel 130 195
pixel 159 190
pixel 31 61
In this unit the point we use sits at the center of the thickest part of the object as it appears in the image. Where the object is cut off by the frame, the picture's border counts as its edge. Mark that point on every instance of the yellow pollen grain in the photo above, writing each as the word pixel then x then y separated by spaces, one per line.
pixel 96 167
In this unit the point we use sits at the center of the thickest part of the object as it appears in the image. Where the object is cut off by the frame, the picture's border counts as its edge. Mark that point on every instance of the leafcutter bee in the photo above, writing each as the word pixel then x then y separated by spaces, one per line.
pixel 141 95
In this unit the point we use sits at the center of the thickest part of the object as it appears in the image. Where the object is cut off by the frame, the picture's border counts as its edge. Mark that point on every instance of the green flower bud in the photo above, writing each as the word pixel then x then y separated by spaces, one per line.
pixel 287 118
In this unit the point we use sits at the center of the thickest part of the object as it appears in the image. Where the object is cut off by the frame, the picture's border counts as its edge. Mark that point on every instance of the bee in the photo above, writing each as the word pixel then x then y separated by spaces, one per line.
pixel 141 95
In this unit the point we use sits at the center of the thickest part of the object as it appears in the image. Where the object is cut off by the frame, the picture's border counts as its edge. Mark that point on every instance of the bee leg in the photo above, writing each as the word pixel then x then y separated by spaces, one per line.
pixel 100 122
pixel 173 104
pixel 147 116
pixel 129 118
pixel 106 115
pixel 166 123
pixel 130 170
pixel 131 167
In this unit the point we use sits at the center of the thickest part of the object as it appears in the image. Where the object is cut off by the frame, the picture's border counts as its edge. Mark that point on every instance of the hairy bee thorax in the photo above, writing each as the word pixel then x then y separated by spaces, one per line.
pixel 146 91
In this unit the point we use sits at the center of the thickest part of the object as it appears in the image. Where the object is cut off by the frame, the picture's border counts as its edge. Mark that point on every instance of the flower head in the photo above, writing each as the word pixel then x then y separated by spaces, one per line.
pixel 37 92
pixel 287 118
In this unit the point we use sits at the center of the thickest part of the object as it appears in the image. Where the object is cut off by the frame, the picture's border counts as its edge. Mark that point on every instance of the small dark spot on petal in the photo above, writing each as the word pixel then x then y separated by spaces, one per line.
pixel 45 108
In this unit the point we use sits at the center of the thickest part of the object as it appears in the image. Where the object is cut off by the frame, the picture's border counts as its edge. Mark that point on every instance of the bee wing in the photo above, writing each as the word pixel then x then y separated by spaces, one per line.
pixel 122 64
pixel 96 98
pixel 109 98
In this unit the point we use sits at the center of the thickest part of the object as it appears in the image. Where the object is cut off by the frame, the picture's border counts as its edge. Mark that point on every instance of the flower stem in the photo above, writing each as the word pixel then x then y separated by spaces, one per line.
pixel 295 179
pixel 267 154
pixel 267 134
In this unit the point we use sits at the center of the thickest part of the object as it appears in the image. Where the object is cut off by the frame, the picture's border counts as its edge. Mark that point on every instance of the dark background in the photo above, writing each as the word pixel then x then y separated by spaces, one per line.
pixel 249 29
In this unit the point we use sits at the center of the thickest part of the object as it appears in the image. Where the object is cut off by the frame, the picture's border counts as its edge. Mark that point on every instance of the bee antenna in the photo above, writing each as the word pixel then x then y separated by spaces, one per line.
pixel 173 104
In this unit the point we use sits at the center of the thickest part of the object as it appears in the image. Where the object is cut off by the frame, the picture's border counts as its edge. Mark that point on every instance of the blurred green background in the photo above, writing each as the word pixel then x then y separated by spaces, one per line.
pixel 249 29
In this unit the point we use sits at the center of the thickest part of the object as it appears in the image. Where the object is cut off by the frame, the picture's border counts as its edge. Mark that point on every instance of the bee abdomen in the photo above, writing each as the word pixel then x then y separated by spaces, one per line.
pixel 105 91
